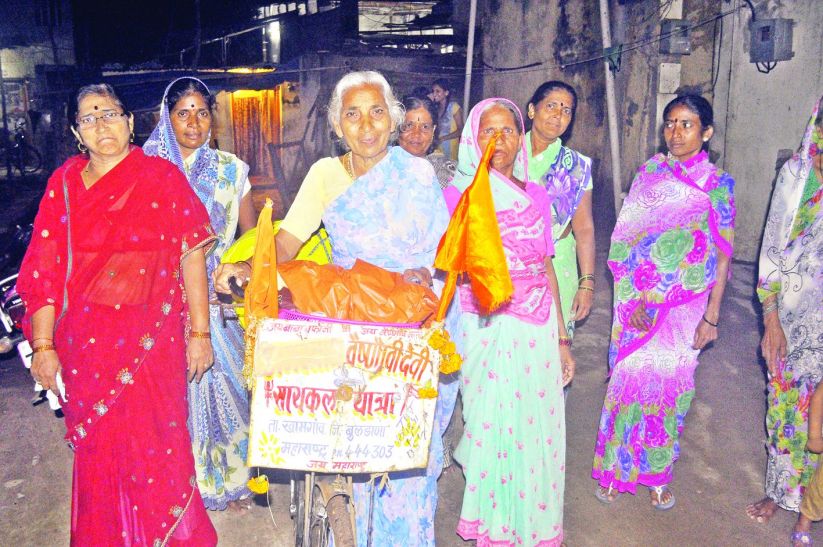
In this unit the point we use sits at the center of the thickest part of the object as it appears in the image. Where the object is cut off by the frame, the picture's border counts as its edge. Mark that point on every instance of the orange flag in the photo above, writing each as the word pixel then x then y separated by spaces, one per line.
pixel 261 292
pixel 472 244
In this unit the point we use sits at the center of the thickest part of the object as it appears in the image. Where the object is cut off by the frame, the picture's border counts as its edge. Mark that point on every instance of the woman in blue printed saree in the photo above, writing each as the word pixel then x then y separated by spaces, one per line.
pixel 790 288
pixel 218 404
pixel 670 254
pixel 567 177
pixel 513 449
pixel 382 205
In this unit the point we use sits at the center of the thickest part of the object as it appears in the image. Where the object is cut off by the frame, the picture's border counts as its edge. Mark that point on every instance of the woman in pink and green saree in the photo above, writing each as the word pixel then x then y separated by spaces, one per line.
pixel 670 254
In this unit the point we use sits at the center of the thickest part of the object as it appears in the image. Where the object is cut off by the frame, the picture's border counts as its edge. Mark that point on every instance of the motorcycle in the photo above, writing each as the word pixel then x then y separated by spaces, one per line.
pixel 12 312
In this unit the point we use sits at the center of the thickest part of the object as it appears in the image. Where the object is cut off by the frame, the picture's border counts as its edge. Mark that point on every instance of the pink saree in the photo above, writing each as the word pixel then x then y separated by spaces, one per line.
pixel 108 258
pixel 674 222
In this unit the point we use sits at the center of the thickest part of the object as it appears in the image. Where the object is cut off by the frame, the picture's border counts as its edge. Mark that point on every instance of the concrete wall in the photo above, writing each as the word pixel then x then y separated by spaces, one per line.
pixel 552 32
pixel 514 34
pixel 641 95
pixel 758 117
pixel 764 114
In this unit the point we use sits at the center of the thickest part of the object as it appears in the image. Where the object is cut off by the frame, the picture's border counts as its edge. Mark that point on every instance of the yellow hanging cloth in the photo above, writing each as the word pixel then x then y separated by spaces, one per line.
pixel 472 244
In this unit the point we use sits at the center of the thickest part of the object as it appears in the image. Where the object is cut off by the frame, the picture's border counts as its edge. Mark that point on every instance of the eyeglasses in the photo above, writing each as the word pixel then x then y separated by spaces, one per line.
pixel 423 127
pixel 109 118
pixel 184 115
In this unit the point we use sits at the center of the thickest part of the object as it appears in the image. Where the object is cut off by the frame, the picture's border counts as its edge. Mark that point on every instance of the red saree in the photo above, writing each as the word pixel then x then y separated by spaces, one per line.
pixel 109 259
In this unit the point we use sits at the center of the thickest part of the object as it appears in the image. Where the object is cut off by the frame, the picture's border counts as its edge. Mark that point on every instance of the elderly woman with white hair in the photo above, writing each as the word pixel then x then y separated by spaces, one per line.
pixel 382 205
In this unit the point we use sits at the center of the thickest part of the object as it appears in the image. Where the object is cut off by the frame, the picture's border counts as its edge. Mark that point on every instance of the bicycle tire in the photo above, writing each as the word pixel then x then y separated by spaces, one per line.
pixel 32 160
pixel 340 521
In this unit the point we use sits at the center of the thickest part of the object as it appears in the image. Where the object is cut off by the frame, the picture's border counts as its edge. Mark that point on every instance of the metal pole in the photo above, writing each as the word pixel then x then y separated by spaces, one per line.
pixel 469 57
pixel 611 107
pixel 6 134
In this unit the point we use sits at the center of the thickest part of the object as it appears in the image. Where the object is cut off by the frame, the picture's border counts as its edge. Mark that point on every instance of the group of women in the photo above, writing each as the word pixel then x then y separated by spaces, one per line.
pixel 127 252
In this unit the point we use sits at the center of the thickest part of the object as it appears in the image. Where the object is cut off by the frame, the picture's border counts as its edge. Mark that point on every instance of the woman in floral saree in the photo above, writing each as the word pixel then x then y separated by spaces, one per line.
pixel 567 177
pixel 116 264
pixel 382 205
pixel 670 254
pixel 219 403
pixel 513 449
pixel 790 288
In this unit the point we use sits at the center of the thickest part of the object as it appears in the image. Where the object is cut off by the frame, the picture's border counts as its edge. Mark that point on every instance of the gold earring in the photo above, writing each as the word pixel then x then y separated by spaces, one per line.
pixel 131 137
pixel 82 147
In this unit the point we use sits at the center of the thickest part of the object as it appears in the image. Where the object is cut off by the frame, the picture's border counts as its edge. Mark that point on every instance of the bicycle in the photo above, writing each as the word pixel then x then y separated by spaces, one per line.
pixel 320 505
pixel 18 154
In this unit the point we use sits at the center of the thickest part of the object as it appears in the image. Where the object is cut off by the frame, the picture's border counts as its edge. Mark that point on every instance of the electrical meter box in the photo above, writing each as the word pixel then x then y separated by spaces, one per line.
pixel 674 37
pixel 771 40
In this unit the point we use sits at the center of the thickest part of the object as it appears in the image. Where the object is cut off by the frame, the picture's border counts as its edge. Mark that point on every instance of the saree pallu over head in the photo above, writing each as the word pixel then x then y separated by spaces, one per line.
pixel 664 247
pixel 392 216
pixel 524 219
pixel 212 172
pixel 794 223
pixel 108 258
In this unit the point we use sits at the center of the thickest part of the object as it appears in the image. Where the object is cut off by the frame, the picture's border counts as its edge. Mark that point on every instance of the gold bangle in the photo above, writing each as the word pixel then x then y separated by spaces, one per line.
pixel 44 347
pixel 42 338
pixel 566 341
pixel 199 334
pixel 585 288
pixel 586 277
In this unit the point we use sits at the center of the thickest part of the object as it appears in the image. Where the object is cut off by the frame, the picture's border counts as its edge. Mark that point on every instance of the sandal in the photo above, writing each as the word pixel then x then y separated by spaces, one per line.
pixel 603 496
pixel 659 492
pixel 802 538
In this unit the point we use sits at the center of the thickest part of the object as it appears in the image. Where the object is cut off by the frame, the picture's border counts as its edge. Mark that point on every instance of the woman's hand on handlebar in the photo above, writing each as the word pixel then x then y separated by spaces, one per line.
pixel 221 275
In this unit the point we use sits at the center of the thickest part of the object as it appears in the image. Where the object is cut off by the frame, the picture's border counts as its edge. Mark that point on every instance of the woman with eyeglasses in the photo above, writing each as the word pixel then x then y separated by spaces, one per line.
pixel 567 177
pixel 114 277
pixel 416 136
pixel 218 402
pixel 670 253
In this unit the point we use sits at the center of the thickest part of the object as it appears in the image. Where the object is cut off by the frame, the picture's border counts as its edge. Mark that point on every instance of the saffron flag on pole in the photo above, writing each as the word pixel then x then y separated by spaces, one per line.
pixel 472 245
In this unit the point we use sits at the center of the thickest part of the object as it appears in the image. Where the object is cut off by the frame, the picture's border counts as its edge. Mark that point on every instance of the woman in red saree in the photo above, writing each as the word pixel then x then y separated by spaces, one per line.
pixel 117 263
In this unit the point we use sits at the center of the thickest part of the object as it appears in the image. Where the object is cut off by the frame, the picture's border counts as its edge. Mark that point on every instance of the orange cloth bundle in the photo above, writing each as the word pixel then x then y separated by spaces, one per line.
pixel 363 293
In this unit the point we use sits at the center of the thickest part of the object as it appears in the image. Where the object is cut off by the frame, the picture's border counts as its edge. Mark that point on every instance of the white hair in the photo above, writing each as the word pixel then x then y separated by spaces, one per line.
pixel 361 78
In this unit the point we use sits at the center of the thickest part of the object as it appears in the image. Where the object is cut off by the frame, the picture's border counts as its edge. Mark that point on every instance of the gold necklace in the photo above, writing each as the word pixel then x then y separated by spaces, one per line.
pixel 348 164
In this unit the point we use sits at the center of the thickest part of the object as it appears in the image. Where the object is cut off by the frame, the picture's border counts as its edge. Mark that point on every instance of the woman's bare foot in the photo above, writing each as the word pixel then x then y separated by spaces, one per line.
pixel 239 506
pixel 762 511
pixel 800 534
